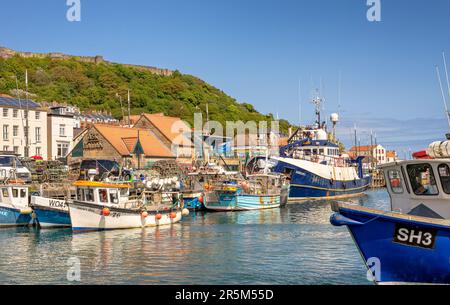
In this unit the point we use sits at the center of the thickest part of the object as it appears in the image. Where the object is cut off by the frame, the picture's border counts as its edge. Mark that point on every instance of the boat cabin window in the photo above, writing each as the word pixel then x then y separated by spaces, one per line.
pixel 23 193
pixel 79 194
pixel 113 196
pixel 103 195
pixel 395 181
pixel 314 151
pixel 321 151
pixel 15 193
pixel 123 192
pixel 86 194
pixel 422 179
pixel 444 174
pixel 307 152
pixel 5 192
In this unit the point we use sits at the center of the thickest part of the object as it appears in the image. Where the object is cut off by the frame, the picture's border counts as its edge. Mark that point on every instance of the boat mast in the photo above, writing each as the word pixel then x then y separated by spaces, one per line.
pixel 317 102
pixel 27 144
pixel 129 115
pixel 446 72
pixel 443 95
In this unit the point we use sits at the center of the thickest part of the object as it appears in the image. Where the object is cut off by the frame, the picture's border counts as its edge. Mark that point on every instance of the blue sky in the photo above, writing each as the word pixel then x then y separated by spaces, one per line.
pixel 259 50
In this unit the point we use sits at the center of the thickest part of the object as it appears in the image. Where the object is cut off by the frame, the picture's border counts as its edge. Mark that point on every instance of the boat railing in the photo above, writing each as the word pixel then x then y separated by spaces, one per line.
pixel 334 161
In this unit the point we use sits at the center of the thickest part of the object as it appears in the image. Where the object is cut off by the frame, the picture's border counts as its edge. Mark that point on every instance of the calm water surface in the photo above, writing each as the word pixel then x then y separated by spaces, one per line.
pixel 292 245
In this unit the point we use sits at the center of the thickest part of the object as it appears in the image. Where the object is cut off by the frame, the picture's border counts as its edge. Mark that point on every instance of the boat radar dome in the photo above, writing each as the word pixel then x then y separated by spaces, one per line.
pixel 321 135
pixel 334 118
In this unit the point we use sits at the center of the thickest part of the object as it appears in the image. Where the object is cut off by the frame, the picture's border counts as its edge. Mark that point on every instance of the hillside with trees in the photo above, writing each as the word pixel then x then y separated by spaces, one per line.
pixel 95 86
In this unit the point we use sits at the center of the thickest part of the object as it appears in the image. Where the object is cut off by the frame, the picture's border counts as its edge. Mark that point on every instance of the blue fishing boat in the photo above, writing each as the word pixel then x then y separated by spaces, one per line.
pixel 264 191
pixel 193 200
pixel 410 243
pixel 51 212
pixel 315 166
pixel 14 209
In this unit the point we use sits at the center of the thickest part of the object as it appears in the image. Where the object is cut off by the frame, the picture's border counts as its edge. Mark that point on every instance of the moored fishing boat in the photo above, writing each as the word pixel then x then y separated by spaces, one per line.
pixel 410 243
pixel 260 191
pixel 316 167
pixel 14 208
pixel 106 206
pixel 51 210
pixel 193 200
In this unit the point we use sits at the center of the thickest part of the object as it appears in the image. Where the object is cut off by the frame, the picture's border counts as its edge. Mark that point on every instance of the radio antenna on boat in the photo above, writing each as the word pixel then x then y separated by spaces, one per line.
pixel 339 92
pixel 443 95
pixel 446 72
pixel 299 104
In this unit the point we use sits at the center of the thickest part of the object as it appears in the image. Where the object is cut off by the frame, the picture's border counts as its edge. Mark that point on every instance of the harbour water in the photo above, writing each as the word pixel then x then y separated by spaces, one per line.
pixel 291 245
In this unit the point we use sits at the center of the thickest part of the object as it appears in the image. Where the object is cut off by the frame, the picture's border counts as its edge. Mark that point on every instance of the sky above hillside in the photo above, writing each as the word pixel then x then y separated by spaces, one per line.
pixel 259 51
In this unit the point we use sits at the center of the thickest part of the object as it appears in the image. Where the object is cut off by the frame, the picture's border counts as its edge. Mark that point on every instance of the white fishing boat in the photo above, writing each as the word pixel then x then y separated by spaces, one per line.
pixel 14 208
pixel 106 206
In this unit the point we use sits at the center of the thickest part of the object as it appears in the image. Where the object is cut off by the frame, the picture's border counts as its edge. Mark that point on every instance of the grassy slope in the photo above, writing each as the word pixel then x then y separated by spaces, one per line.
pixel 94 86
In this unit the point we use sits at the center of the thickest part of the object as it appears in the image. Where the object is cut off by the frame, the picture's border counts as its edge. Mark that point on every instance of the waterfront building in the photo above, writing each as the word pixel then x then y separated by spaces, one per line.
pixel 378 152
pixel 131 147
pixel 16 115
pixel 253 145
pixel 391 156
pixel 86 119
pixel 60 131
pixel 173 132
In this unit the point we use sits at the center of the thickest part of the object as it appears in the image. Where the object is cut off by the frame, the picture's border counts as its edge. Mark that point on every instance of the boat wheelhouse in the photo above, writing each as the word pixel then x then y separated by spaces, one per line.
pixel 105 206
pixel 14 208
pixel 259 191
pixel 410 243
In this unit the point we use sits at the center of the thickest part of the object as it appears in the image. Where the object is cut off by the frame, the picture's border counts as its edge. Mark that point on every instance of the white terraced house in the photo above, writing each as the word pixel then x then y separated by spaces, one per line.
pixel 13 118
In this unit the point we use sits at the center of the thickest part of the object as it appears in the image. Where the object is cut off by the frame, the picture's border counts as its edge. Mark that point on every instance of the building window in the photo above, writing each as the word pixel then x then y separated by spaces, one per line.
pixel 62 130
pixel 5 112
pixel 38 151
pixel 15 131
pixel 37 114
pixel 26 152
pixel 16 149
pixel 63 149
pixel 38 134
pixel 25 114
pixel 6 148
pixel 5 132
pixel 15 113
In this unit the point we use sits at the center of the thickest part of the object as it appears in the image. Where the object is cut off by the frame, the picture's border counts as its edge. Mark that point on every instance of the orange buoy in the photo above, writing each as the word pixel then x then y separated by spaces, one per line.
pixel 106 212
pixel 144 214
pixel 173 215
pixel 200 199
pixel 158 216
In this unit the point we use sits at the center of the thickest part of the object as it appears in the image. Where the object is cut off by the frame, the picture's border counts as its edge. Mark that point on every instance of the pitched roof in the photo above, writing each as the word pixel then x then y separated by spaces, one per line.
pixel 363 148
pixel 283 141
pixel 16 103
pixel 124 140
pixel 391 154
pixel 171 127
